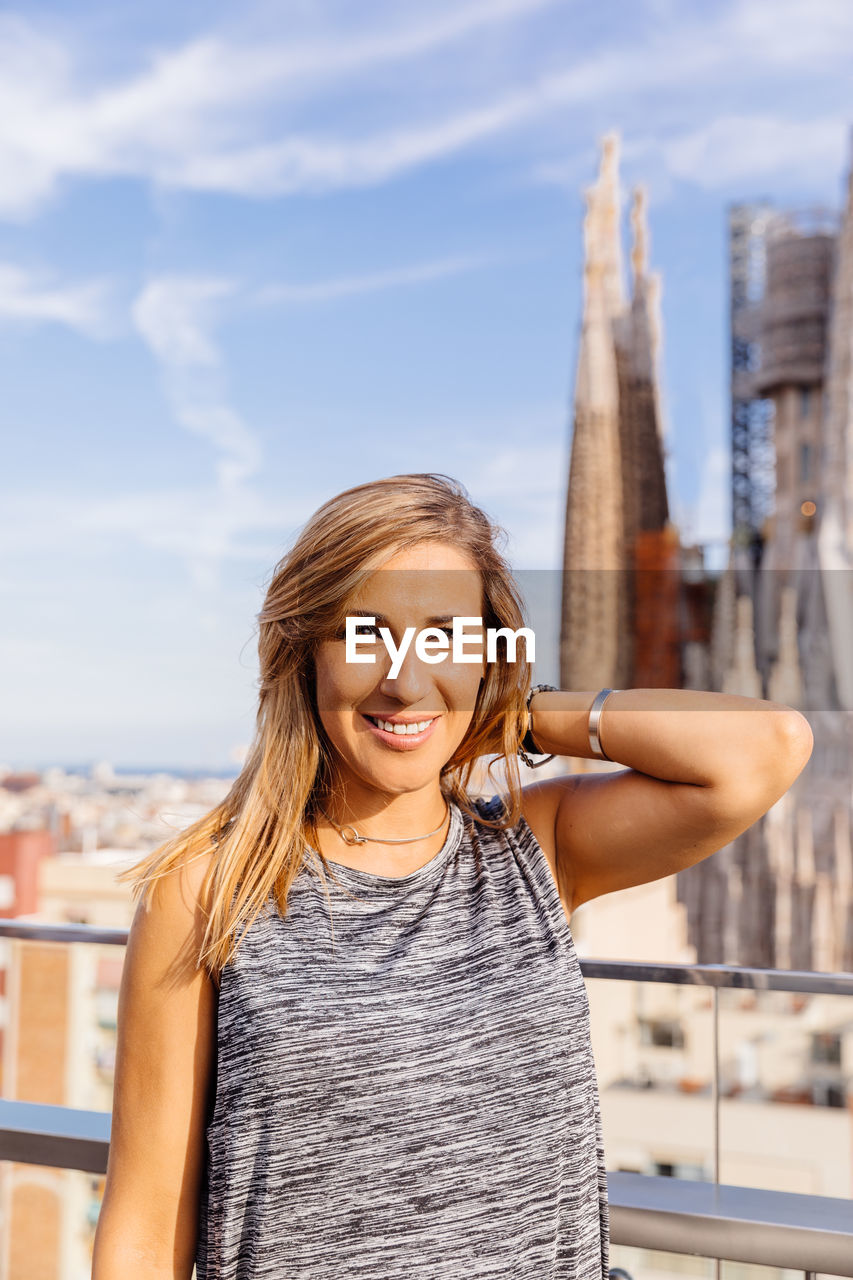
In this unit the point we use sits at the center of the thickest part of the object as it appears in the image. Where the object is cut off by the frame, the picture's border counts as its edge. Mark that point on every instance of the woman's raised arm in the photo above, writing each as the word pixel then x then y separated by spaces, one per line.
pixel 701 768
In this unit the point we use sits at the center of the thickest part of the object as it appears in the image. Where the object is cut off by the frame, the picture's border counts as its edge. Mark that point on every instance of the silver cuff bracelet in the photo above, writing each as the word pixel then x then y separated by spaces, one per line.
pixel 595 721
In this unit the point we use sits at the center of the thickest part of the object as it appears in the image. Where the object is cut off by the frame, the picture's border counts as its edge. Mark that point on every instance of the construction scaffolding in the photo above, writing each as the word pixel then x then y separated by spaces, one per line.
pixel 751 427
pixel 799 256
pixel 780 280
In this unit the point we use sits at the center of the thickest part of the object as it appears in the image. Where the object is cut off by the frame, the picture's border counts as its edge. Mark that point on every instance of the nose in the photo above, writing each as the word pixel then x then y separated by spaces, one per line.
pixel 413 682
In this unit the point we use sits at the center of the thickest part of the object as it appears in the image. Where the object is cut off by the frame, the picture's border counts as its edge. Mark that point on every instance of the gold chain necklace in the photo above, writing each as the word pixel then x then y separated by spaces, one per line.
pixel 349 835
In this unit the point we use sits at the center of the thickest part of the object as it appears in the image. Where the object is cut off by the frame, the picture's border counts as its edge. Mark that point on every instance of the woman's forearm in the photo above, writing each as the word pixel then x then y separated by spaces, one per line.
pixel 681 735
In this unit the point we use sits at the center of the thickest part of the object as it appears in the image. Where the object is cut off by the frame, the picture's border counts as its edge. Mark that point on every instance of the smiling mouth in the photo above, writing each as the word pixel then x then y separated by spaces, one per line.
pixel 401 728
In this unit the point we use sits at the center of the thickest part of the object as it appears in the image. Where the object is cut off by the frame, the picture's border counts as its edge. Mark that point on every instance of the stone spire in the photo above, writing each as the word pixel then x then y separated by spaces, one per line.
pixel 602 241
pixel 647 298
pixel 620 552
pixel 652 550
pixel 786 682
pixel 593 556
pixel 640 237
pixel 638 346
pixel 723 626
pixel 742 677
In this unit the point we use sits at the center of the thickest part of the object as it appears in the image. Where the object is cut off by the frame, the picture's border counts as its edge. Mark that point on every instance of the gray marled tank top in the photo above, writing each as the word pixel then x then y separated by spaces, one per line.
pixel 415 1098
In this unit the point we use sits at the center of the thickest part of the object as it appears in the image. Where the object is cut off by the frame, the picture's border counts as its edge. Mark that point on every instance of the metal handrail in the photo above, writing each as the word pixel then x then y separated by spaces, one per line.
pixel 736 1224
pixel 703 1219
pixel 39 931
pixel 703 975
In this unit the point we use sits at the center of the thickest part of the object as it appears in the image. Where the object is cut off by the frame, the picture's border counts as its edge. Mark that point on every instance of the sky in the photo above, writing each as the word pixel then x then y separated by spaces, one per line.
pixel 253 255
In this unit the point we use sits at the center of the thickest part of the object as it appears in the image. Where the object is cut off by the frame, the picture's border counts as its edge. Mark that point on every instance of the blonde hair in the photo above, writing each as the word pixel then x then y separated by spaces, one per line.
pixel 261 831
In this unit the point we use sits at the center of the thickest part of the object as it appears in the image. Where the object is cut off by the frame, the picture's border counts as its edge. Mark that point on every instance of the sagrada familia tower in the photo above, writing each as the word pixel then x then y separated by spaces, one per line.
pixel 639 608
pixel 619 542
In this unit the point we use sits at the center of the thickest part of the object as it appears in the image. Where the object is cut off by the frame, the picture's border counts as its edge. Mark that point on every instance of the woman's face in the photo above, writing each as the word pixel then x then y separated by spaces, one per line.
pixel 364 706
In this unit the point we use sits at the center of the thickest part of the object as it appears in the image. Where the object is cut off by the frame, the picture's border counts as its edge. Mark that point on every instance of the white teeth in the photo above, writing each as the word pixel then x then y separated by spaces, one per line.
pixel 417 726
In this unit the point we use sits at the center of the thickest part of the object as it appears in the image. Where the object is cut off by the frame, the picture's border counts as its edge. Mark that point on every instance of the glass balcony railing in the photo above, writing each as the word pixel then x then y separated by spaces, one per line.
pixel 681 1221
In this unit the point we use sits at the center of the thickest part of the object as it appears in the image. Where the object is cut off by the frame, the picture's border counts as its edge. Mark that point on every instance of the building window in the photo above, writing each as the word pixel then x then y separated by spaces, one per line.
pixel 805 463
pixel 829 1093
pixel 7 894
pixel 826 1047
pixel 805 401
pixel 687 1170
pixel 106 1005
pixel 662 1032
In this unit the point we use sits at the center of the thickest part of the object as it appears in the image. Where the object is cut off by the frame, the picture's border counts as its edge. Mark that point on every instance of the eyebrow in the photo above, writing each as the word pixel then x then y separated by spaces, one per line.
pixel 436 621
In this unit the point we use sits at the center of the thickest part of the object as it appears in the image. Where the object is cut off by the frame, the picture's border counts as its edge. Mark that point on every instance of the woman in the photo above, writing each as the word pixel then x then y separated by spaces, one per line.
pixel 353 1034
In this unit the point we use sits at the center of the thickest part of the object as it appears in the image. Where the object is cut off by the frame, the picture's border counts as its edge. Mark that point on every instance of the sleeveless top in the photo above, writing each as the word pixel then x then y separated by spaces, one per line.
pixel 405 1084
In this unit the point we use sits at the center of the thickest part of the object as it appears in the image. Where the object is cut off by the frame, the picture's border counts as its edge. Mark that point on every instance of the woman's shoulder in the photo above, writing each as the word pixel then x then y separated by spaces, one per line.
pixel 533 831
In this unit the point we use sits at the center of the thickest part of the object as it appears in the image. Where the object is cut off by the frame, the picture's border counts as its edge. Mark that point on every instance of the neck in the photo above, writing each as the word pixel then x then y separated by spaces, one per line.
pixel 412 813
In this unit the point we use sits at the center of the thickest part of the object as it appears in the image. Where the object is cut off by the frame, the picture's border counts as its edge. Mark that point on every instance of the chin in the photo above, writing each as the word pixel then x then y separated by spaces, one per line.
pixel 398 776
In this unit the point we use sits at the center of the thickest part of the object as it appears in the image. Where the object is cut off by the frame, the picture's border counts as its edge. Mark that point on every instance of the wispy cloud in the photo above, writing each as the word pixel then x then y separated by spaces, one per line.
pixel 523 488
pixel 200 527
pixel 212 71
pixel 750 148
pixel 29 299
pixel 203 525
pixel 315 165
pixel 375 282
pixel 746 54
pixel 191 112
pixel 356 52
pixel 220 114
pixel 175 316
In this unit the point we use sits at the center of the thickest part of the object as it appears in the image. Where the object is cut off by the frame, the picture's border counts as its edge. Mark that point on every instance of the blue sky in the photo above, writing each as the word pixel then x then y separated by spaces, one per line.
pixel 250 256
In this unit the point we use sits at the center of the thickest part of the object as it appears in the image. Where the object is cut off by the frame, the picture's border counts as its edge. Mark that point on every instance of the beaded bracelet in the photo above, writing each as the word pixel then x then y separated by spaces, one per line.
pixel 527 744
pixel 598 752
